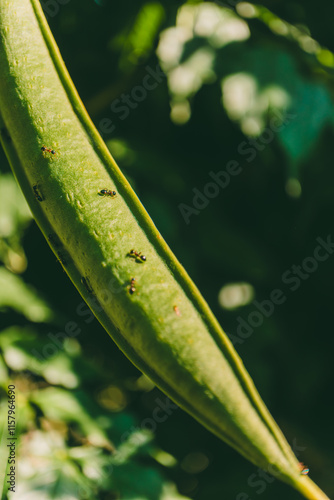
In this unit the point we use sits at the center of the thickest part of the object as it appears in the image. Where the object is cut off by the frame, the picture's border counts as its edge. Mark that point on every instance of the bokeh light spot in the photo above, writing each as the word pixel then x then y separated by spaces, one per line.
pixel 235 295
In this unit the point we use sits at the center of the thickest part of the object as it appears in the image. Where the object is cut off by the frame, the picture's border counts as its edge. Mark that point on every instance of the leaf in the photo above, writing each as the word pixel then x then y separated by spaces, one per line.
pixel 145 484
pixel 14 217
pixel 23 350
pixel 259 83
pixel 47 471
pixel 314 109
pixel 136 42
pixel 59 404
pixel 15 294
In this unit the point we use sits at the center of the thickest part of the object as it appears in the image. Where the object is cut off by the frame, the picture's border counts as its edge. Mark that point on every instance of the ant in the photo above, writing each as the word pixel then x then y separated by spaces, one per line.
pixel 36 193
pixel 132 288
pixel 49 150
pixel 106 192
pixel 303 469
pixel 137 255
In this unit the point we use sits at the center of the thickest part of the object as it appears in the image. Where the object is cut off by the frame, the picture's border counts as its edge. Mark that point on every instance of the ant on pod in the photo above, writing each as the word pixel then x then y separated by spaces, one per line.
pixel 132 288
pixel 137 255
pixel 48 150
pixel 107 192
pixel 303 469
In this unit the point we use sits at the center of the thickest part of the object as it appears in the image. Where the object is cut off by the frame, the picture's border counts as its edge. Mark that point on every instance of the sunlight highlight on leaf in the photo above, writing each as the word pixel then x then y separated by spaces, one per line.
pixel 219 26
pixel 188 78
pixel 15 294
pixel 248 104
pixel 137 42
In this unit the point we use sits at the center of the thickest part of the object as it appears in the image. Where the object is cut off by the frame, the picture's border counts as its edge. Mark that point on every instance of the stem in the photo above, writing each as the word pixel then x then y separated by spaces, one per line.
pixel 310 490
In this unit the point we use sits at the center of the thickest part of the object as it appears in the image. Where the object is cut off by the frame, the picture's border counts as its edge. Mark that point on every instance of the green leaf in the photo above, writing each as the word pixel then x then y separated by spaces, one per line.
pixel 145 484
pixel 47 471
pixel 164 326
pixel 15 294
pixel 315 110
pixel 136 42
pixel 259 82
pixel 59 404
pixel 14 217
pixel 23 350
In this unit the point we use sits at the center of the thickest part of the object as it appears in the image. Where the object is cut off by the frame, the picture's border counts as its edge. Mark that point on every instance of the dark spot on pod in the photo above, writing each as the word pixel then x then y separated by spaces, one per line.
pixel 53 239
pixel 37 194
pixel 62 258
pixel 86 284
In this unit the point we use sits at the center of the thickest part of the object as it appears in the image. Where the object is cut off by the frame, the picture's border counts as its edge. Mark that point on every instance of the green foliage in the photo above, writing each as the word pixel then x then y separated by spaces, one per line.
pixel 14 218
pixel 135 43
pixel 214 44
pixel 17 295
pixel 66 448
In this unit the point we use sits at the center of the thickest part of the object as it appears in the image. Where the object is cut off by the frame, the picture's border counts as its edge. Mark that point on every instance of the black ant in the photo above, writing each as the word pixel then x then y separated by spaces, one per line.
pixel 106 192
pixel 36 193
pixel 132 288
pixel 49 150
pixel 137 255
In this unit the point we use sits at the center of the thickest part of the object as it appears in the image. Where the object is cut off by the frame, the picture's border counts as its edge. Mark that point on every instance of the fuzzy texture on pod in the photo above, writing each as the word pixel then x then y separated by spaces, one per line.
pixel 160 320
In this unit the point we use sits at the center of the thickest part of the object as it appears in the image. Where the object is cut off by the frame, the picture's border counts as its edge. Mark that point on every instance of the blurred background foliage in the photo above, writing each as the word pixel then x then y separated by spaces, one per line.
pixel 85 414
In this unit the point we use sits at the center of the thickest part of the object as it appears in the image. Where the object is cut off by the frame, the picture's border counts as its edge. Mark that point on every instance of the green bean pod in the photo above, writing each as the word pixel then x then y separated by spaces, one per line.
pixel 150 308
